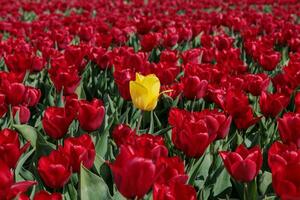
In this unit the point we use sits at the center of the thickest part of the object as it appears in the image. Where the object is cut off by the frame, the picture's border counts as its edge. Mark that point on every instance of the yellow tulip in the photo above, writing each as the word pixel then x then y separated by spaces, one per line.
pixel 144 91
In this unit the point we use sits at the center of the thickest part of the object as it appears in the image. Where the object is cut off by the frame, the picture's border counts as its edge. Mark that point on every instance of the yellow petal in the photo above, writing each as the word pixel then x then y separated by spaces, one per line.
pixel 144 91
pixel 139 94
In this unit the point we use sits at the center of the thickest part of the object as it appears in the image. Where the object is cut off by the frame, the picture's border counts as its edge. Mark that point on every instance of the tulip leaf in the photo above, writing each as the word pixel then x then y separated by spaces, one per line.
pixel 99 161
pixel 118 196
pixel 102 143
pixel 265 182
pixel 204 164
pixel 222 183
pixel 80 91
pixel 43 147
pixel 21 163
pixel 60 101
pixel 92 186
pixel 28 132
pixel 70 192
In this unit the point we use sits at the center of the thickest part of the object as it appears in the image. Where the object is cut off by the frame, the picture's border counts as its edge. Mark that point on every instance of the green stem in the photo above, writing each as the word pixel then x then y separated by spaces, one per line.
pixel 245 191
pixel 139 122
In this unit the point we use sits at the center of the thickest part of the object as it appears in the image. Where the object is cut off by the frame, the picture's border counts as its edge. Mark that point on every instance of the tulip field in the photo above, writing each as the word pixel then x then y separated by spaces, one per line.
pixel 150 99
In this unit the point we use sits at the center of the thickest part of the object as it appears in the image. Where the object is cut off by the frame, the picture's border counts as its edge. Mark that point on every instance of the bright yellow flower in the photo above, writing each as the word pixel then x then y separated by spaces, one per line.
pixel 144 91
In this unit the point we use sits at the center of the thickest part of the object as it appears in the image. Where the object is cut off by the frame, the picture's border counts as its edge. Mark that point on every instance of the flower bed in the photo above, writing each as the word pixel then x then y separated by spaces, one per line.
pixel 150 99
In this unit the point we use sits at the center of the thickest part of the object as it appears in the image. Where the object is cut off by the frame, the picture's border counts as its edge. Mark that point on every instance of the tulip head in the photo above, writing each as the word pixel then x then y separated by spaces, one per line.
pixel 144 91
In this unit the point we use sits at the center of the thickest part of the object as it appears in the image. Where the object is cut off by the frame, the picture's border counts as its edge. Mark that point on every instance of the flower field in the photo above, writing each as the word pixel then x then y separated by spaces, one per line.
pixel 150 99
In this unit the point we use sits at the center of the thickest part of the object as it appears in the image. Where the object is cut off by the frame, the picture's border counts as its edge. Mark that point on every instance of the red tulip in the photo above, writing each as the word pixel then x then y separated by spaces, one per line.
pixel 256 83
pixel 286 182
pixel 166 72
pixel 216 121
pixel 288 127
pixel 24 113
pixel 170 39
pixel 241 114
pixel 65 78
pixel 185 34
pixel 10 150
pixel 80 150
pixel 9 189
pixel 148 146
pixel 174 191
pixel 122 79
pixel 272 104
pixel 171 182
pixel 74 55
pixel 55 169
pixel 15 93
pixel 122 133
pixel 243 164
pixel 32 96
pixel 91 114
pixel 145 145
pixel 43 195
pixel 191 134
pixel 223 42
pixel 133 175
pixel 171 170
pixel 280 155
pixel 150 41
pixel 56 122
pixel 3 106
pixel 197 91
pixel 233 98
pixel 101 57
pixel 72 106
pixel 297 103
pixel 269 60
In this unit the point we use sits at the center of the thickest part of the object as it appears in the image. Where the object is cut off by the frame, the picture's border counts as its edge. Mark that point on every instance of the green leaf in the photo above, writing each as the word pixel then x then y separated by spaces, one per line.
pixel 60 101
pixel 70 192
pixel 252 190
pixel 80 91
pixel 42 146
pixel 28 132
pixel 21 163
pixel 102 143
pixel 265 182
pixel 92 186
pixel 99 161
pixel 203 164
pixel 118 196
pixel 222 184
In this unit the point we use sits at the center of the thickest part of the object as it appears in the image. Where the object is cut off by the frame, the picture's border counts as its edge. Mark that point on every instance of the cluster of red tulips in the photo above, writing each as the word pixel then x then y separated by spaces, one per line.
pixel 150 99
